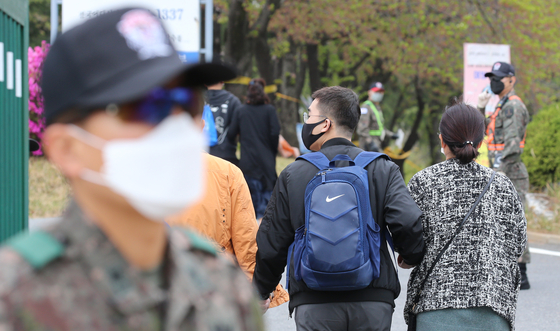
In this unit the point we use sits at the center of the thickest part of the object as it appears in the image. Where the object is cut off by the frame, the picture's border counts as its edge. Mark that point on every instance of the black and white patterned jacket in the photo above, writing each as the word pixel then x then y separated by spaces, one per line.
pixel 480 267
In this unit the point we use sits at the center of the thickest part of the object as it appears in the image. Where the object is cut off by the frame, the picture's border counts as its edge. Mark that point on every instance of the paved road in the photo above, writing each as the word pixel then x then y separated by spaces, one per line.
pixel 537 308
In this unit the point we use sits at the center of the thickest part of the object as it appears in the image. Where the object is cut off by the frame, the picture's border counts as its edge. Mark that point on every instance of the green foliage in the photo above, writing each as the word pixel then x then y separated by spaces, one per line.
pixel 541 154
pixel 39 21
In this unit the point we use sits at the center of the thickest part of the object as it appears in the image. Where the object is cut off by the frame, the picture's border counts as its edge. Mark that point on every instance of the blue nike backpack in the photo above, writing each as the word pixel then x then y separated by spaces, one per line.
pixel 337 249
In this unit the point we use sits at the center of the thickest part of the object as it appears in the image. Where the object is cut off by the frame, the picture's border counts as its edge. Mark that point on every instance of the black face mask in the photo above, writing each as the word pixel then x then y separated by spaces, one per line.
pixel 307 136
pixel 496 85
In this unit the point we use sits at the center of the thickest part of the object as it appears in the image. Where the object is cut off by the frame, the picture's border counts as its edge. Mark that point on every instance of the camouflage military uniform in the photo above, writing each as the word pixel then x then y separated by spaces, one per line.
pixel 370 131
pixel 511 124
pixel 71 277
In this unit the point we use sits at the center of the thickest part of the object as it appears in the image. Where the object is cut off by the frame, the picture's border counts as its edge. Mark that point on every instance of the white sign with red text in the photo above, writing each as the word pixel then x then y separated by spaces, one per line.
pixel 478 60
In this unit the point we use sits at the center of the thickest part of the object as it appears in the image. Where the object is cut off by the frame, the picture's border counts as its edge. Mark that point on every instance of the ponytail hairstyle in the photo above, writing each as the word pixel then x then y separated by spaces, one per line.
pixel 255 93
pixel 462 129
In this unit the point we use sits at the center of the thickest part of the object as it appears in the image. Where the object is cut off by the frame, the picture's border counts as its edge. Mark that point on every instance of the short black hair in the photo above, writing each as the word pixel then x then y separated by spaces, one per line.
pixel 341 105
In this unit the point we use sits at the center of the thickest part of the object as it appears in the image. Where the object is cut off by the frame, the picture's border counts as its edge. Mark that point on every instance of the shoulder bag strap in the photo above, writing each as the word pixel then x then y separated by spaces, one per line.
pixel 417 298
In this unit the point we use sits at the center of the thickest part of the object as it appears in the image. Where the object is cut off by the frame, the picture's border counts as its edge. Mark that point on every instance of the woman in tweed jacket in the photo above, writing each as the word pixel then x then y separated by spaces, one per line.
pixel 476 282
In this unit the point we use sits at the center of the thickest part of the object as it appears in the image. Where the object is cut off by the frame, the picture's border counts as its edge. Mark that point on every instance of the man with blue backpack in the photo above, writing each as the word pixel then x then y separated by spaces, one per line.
pixel 329 220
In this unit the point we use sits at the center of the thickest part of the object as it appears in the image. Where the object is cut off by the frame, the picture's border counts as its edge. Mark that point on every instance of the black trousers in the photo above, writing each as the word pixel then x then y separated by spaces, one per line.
pixel 344 316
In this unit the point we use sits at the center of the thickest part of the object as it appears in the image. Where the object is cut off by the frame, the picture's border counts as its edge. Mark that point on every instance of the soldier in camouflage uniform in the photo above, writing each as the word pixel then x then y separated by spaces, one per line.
pixel 371 130
pixel 112 263
pixel 506 130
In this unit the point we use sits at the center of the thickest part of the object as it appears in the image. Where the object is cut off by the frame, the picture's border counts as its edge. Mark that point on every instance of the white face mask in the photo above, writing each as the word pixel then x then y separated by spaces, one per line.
pixel 376 97
pixel 442 151
pixel 160 173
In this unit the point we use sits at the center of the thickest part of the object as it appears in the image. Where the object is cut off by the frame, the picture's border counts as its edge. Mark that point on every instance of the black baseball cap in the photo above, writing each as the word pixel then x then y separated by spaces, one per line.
pixel 501 69
pixel 116 57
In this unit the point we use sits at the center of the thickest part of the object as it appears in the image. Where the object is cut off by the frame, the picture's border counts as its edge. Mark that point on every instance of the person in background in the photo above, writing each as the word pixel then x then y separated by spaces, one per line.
pixel 371 130
pixel 226 216
pixel 475 283
pixel 506 130
pixel 223 105
pixel 329 125
pixel 257 125
pixel 120 110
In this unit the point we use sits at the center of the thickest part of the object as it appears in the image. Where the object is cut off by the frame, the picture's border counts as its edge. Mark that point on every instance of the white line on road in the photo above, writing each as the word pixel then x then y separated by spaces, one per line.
pixel 543 251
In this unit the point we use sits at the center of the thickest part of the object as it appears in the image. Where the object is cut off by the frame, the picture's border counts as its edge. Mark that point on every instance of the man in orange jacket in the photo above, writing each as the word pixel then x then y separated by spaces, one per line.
pixel 226 215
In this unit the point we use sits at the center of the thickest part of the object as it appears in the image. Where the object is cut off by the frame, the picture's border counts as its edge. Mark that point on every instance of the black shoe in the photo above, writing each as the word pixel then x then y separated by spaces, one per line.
pixel 525 283
pixel 524 280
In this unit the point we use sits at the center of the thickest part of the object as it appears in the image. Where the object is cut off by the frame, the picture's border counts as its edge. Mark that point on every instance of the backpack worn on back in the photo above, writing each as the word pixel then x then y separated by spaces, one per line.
pixel 337 249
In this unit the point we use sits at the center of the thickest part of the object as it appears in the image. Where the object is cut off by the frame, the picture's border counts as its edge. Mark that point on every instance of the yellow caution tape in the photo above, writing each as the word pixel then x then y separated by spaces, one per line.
pixel 270 88
pixel 396 156
pixel 239 80
pixel 267 89
pixel 287 97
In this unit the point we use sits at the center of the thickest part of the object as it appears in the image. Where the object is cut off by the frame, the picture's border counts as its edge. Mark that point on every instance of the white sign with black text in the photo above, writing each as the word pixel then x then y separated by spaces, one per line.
pixel 180 17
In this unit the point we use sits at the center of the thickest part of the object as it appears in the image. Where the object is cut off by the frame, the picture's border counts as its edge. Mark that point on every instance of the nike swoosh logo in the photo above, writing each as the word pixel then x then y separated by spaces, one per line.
pixel 331 199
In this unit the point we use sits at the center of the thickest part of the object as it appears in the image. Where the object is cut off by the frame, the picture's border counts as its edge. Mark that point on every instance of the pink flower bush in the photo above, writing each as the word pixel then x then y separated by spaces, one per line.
pixel 36 57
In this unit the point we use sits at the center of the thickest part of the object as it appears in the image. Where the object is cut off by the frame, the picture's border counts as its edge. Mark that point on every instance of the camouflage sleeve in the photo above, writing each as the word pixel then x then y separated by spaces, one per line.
pixel 518 221
pixel 513 129
pixel 363 124
pixel 12 271
pixel 249 308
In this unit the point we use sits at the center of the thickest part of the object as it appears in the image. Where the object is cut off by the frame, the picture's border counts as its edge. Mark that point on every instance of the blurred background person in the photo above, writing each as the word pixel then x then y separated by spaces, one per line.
pixel 257 125
pixel 223 105
pixel 475 283
pixel 371 130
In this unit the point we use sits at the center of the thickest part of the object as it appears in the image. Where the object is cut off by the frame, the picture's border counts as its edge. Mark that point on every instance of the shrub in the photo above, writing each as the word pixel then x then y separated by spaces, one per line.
pixel 36 57
pixel 542 148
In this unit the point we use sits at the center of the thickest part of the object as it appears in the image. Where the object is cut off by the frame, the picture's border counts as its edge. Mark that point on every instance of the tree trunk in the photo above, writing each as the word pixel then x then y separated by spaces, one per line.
pixel 238 45
pixel 413 137
pixel 432 126
pixel 313 63
pixel 262 50
pixel 263 59
pixel 293 78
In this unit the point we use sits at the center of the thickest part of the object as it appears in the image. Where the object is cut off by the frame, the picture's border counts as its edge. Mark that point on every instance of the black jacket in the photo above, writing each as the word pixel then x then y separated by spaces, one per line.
pixel 259 129
pixel 391 204
pixel 224 106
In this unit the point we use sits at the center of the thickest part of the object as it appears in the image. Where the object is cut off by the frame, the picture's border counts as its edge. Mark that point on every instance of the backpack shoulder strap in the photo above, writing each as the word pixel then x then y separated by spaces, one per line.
pixel 318 159
pixel 365 158
pixel 38 248
pixel 196 241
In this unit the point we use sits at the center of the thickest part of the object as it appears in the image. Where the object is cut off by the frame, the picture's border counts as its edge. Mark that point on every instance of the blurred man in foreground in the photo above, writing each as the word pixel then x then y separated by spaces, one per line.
pixel 119 107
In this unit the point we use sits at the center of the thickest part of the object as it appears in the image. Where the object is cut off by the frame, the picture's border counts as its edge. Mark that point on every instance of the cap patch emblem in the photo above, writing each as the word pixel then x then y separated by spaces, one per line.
pixel 144 34
pixel 378 85
pixel 497 66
